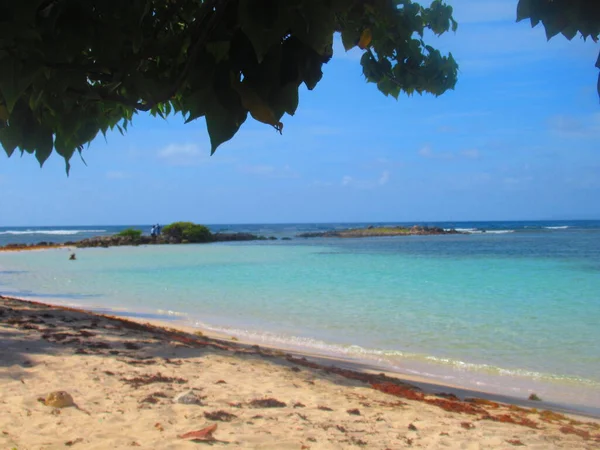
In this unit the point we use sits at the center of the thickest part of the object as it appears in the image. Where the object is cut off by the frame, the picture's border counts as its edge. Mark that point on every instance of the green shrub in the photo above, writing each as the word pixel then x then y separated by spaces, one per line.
pixel 187 231
pixel 131 233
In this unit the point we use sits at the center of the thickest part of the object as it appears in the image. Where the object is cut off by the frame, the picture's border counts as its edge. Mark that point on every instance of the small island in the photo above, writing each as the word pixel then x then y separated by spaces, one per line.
pixel 175 233
pixel 372 231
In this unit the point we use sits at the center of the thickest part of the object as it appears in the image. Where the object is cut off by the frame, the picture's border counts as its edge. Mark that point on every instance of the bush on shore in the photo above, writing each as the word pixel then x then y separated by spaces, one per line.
pixel 187 231
pixel 131 233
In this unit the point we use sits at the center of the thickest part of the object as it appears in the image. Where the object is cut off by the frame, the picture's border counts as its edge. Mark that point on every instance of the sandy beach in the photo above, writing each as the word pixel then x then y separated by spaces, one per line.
pixel 124 378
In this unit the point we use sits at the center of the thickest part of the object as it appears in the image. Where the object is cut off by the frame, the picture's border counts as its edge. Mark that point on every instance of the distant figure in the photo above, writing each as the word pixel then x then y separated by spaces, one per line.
pixel 158 229
pixel 72 257
pixel 153 231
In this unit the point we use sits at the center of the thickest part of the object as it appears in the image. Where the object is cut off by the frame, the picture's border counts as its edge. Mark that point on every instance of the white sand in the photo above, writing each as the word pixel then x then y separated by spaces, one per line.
pixel 45 348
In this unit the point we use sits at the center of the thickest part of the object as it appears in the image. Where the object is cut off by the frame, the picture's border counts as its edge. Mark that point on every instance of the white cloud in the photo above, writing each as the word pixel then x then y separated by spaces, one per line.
pixel 517 183
pixel 427 152
pixel 384 178
pixel 348 181
pixel 575 127
pixel 470 153
pixel 182 155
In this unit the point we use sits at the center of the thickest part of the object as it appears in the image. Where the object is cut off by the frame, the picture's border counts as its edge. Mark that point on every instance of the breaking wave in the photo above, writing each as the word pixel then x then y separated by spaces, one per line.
pixel 51 232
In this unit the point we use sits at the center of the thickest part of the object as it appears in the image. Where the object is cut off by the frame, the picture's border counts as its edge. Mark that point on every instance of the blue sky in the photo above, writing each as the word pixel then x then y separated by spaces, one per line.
pixel 516 139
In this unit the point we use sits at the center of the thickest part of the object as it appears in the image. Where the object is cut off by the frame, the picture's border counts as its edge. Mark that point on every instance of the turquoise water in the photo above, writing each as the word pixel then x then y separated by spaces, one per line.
pixel 504 312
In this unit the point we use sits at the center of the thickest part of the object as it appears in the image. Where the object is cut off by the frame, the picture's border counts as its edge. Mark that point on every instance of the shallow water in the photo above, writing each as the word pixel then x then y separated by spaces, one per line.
pixel 509 312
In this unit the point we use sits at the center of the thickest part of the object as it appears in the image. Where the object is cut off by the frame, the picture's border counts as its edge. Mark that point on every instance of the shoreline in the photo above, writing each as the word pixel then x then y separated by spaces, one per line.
pixel 426 384
pixel 133 383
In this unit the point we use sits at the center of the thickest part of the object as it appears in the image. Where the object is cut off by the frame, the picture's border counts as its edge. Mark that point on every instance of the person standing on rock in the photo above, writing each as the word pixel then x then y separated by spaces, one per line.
pixel 153 231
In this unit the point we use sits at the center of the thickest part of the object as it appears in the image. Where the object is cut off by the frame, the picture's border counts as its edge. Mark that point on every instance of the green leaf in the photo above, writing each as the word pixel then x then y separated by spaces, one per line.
pixel 64 150
pixel 350 38
pixel 222 123
pixel 10 138
pixel 287 100
pixel 14 80
pixel 523 10
pixel 43 145
pixel 219 49
pixel 264 23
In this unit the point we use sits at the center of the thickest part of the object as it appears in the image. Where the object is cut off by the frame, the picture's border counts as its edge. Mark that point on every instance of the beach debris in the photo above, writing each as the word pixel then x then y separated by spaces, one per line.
pixel 448 396
pixel 159 427
pixel 549 416
pixel 143 380
pixel 222 416
pixel 235 404
pixel 467 425
pixel 188 398
pixel 205 434
pixel 138 362
pixel 507 418
pixel 98 345
pixel 399 391
pixel 533 397
pixel 73 442
pixel 360 442
pixel 153 398
pixel 131 346
pixel 299 405
pixel 572 430
pixel 324 408
pixel 59 399
pixel 515 442
pixel 482 401
pixel 267 403
pixel 412 427
pixel 354 412
pixel 221 382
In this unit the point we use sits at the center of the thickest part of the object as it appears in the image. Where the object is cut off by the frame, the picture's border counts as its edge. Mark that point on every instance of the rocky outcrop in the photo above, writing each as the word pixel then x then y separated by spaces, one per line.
pixel 116 240
pixel 372 231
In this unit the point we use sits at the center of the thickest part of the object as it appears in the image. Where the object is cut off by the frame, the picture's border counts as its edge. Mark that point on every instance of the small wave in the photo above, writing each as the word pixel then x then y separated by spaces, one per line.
pixel 564 227
pixel 51 232
pixel 389 357
pixel 168 312
pixel 477 231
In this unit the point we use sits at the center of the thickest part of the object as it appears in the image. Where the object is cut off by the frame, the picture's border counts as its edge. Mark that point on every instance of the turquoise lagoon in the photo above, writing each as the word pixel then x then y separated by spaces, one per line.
pixel 513 310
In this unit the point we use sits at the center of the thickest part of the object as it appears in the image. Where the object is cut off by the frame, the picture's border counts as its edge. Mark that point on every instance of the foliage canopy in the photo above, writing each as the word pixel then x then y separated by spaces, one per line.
pixel 567 17
pixel 70 69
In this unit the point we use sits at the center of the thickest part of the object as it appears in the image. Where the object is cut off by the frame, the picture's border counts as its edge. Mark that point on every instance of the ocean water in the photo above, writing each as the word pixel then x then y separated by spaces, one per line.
pixel 510 307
